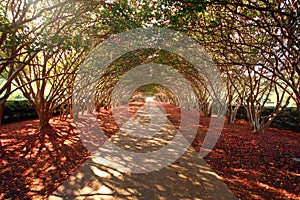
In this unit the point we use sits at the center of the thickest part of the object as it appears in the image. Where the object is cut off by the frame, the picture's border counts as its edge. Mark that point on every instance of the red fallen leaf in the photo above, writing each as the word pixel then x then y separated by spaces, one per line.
pixel 267 156
pixel 232 151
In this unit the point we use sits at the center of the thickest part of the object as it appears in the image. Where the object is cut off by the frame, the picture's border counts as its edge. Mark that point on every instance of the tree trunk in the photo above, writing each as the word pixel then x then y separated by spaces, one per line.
pixel 2 105
pixel 253 115
pixel 206 108
pixel 44 117
pixel 3 101
pixel 232 113
pixel 298 104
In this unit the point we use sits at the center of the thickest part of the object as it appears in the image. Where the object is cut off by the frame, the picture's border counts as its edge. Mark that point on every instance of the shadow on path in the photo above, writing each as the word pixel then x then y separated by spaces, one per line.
pixel 104 175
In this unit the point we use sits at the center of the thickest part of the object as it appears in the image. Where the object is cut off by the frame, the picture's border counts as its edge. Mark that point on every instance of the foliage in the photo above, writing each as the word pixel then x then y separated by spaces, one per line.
pixel 132 59
pixel 288 119
pixel 20 110
pixel 255 45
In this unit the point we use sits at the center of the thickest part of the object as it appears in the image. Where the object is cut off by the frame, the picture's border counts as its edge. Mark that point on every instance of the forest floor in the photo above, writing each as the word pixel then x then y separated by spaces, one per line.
pixel 254 166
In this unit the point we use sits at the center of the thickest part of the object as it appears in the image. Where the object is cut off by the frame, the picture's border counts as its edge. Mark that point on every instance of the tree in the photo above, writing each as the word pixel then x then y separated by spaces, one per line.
pixel 55 72
pixel 51 51
pixel 235 92
pixel 22 23
pixel 240 37
pixel 278 50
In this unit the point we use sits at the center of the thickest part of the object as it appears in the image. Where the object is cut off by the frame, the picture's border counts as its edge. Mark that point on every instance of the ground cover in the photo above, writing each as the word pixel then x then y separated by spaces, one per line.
pixel 254 166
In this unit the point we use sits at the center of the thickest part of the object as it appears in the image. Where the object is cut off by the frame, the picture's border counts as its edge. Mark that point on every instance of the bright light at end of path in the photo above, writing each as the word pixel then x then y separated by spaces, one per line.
pixel 149 99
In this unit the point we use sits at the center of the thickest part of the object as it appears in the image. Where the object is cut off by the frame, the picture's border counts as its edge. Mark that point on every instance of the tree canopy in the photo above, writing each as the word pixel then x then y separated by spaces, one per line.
pixel 255 45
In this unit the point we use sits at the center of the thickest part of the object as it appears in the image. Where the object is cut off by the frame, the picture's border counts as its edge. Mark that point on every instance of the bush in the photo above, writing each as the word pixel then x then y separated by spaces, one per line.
pixel 288 119
pixel 18 110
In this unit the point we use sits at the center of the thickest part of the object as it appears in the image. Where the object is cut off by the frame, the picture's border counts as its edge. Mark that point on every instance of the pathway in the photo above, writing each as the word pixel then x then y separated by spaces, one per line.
pixel 108 175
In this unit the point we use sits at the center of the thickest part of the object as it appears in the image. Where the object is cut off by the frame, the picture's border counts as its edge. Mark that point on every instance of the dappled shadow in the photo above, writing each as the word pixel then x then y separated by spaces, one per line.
pixel 187 178
pixel 258 166
pixel 109 125
pixel 111 175
pixel 254 166
pixel 34 162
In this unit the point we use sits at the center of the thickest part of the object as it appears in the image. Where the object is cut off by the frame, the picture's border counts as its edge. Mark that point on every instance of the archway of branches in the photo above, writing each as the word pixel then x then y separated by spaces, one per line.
pixel 199 97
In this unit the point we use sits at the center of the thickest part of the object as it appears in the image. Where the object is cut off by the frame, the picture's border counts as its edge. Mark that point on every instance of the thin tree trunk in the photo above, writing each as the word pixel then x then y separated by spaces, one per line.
pixel 207 109
pixel 298 104
pixel 232 113
pixel 3 101
pixel 2 105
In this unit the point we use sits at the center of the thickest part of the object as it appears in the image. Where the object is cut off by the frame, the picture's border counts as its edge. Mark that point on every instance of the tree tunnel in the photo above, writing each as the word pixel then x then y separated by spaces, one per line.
pixel 104 97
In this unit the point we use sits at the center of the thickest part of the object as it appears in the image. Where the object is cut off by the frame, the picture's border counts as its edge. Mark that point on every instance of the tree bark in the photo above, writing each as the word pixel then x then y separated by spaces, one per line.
pixel 2 105
pixel 232 113
pixel 44 118
pixel 207 109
